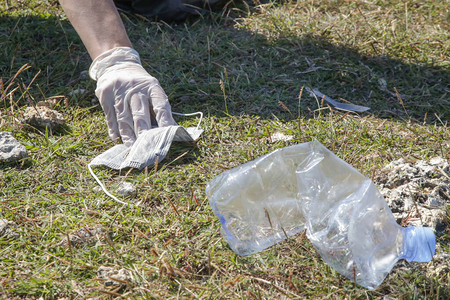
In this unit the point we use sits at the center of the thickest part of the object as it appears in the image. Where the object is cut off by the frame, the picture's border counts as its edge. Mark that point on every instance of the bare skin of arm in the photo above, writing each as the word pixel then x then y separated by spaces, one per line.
pixel 98 24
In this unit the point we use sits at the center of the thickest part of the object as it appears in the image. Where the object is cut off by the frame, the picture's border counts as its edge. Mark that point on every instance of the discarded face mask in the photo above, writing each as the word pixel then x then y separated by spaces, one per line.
pixel 150 146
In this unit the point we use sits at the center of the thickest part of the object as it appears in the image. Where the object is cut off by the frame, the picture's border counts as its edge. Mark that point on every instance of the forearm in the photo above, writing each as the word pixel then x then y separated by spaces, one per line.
pixel 98 24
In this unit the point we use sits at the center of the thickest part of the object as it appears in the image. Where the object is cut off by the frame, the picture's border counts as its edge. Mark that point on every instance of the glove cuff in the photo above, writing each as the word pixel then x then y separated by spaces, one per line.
pixel 112 57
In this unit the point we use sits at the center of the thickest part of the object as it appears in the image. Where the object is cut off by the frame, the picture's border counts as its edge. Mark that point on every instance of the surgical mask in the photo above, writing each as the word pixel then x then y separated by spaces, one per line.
pixel 150 146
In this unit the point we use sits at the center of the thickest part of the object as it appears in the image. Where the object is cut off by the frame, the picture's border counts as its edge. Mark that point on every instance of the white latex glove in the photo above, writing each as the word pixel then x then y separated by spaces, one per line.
pixel 128 94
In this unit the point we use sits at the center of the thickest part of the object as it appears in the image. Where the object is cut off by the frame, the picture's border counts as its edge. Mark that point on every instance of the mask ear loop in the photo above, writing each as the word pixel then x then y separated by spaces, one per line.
pixel 105 190
pixel 191 114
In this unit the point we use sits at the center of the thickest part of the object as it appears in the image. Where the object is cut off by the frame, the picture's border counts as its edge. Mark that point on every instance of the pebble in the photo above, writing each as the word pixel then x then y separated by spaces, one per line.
pixel 84 236
pixel 109 273
pixel 126 189
pixel 77 92
pixel 279 136
pixel 43 117
pixel 10 149
pixel 7 229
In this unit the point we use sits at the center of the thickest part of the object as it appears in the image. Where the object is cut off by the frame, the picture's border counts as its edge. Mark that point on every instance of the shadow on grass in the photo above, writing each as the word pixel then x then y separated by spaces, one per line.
pixel 22 164
pixel 211 66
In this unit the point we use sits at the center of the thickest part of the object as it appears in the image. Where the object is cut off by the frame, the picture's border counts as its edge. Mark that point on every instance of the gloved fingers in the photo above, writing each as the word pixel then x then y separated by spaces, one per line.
pixel 125 121
pixel 106 98
pixel 140 110
pixel 161 107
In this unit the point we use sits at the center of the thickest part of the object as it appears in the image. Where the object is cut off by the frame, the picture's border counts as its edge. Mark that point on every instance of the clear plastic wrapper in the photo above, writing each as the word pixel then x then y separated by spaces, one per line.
pixel 306 186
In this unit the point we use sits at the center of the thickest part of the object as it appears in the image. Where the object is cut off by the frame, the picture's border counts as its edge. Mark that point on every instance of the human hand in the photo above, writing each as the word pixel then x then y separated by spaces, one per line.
pixel 128 95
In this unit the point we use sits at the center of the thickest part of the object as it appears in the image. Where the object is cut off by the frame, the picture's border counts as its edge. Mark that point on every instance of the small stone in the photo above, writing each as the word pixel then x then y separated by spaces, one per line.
pixel 77 92
pixel 50 102
pixel 61 189
pixel 94 102
pixel 84 74
pixel 442 255
pixel 126 189
pixel 438 161
pixel 430 217
pixel 108 274
pixel 433 201
pixel 43 117
pixel 279 136
pixel 8 229
pixel 440 265
pixel 383 84
pixel 43 103
pixel 10 149
pixel 85 236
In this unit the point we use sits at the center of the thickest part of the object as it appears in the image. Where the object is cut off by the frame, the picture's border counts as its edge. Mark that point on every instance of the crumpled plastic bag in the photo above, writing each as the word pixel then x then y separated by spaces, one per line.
pixel 306 186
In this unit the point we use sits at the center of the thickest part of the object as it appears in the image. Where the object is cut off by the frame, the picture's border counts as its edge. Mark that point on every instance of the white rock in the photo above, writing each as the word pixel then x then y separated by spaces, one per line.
pixel 438 161
pixel 10 149
pixel 84 236
pixel 383 84
pixel 108 274
pixel 126 189
pixel 84 74
pixel 431 217
pixel 77 92
pixel 94 102
pixel 279 136
pixel 42 117
pixel 433 201
pixel 7 229
pixel 97 189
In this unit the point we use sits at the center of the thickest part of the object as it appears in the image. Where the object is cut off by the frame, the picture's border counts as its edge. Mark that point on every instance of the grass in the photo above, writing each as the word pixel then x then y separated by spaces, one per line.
pixel 244 68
